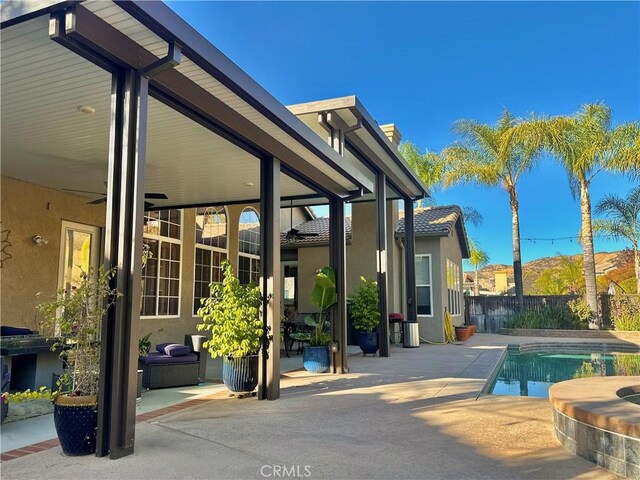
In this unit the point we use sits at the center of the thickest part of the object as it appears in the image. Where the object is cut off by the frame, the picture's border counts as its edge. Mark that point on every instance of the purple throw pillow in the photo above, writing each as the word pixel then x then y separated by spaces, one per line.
pixel 177 350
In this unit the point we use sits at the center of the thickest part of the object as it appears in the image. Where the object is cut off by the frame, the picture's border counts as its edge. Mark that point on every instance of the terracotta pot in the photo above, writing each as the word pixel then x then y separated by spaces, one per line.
pixel 462 334
pixel 472 328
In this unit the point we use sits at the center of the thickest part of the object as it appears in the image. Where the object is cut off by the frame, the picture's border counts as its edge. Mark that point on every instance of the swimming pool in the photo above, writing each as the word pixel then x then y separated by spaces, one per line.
pixel 531 371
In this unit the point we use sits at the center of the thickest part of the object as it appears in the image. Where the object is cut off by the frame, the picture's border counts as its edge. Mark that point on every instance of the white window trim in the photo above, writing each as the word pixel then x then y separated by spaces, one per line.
pixel 454 295
pixel 211 249
pixel 160 238
pixel 423 285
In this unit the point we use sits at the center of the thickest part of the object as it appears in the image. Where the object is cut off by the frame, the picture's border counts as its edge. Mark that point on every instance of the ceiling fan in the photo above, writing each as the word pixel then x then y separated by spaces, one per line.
pixel 293 233
pixel 103 198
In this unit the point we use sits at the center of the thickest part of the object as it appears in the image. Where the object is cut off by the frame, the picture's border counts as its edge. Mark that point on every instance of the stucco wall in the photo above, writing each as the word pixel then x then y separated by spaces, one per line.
pixel 431 327
pixel 31 275
pixel 450 248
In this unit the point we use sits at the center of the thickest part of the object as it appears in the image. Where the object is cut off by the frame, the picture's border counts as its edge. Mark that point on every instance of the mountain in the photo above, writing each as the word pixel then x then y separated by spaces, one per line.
pixel 605 262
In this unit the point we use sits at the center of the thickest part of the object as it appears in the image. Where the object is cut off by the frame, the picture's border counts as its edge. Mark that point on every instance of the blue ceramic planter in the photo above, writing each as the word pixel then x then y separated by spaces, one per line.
pixel 368 342
pixel 240 374
pixel 316 359
pixel 76 427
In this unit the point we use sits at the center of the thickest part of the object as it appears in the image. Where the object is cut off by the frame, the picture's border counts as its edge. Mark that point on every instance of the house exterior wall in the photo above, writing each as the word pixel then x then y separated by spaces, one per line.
pixel 450 248
pixel 30 276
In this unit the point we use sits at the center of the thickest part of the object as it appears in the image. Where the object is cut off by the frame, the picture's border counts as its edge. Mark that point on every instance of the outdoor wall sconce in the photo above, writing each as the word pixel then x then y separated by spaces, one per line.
pixel 39 241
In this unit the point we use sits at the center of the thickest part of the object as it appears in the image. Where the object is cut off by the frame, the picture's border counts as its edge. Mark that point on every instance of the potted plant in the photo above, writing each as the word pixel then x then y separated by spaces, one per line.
pixel 315 355
pixel 366 315
pixel 76 316
pixel 232 314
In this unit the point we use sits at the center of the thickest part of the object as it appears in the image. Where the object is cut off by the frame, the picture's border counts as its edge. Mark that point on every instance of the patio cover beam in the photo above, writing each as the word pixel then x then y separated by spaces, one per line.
pixel 123 250
pixel 84 28
pixel 381 240
pixel 337 260
pixel 410 260
pixel 269 375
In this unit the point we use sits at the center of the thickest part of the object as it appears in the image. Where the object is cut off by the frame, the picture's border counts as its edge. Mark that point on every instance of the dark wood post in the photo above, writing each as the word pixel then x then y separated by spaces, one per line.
pixel 410 261
pixel 381 238
pixel 337 260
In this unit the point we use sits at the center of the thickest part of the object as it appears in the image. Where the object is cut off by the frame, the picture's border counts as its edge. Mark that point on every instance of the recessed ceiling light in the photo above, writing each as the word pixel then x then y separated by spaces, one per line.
pixel 248 184
pixel 86 109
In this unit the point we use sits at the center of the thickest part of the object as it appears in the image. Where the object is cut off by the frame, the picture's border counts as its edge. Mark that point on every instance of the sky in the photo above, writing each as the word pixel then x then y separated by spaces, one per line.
pixel 424 65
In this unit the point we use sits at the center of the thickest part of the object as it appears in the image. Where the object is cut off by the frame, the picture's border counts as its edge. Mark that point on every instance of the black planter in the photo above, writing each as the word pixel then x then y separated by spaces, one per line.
pixel 368 342
pixel 76 426
pixel 4 410
pixel 240 374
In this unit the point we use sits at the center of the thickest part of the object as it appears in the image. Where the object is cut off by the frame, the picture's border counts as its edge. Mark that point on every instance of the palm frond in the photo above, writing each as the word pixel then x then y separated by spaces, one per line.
pixel 472 216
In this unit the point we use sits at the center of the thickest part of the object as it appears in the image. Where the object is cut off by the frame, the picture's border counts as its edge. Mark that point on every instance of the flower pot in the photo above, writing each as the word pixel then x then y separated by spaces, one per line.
pixel 316 359
pixel 240 374
pixel 368 342
pixel 4 410
pixel 76 421
pixel 462 334
pixel 472 328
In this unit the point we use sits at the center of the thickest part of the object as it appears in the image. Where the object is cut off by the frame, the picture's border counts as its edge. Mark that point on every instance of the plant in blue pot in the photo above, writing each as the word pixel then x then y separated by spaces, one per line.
pixel 232 314
pixel 366 315
pixel 315 355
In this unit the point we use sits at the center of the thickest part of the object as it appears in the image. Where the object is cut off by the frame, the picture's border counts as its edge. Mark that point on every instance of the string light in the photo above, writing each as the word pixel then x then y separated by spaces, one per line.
pixel 557 239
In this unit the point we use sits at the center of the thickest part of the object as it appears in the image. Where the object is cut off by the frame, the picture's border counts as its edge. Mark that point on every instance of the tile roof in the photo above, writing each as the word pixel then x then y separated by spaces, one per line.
pixel 318 225
pixel 439 221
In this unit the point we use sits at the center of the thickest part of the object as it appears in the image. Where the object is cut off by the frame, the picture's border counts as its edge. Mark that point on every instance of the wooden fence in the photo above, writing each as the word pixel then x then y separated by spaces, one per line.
pixel 490 312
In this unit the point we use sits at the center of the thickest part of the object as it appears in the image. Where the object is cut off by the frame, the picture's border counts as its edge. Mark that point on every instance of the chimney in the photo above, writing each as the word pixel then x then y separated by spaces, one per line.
pixel 392 133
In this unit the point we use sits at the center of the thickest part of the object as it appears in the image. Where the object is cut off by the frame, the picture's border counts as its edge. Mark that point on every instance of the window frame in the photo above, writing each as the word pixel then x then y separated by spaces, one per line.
pixel 160 239
pixel 430 285
pixel 252 257
pixel 209 248
pixel 453 270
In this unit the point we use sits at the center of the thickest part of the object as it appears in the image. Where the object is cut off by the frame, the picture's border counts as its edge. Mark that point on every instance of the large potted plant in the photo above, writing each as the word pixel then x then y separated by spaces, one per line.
pixel 75 315
pixel 232 314
pixel 315 355
pixel 366 315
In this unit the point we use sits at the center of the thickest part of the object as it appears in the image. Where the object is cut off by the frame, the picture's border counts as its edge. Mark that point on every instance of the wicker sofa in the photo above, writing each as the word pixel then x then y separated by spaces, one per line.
pixel 161 370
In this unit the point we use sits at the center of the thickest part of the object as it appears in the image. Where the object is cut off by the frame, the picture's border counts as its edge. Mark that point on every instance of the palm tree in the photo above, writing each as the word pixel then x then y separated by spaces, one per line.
pixel 478 258
pixel 492 156
pixel 623 222
pixel 586 144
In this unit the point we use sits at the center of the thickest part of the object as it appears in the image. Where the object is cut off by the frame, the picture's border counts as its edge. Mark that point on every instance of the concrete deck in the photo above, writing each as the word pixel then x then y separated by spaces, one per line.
pixel 414 415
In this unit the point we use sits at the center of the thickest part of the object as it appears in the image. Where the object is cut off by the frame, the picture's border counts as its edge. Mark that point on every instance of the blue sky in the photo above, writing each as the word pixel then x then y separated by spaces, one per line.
pixel 423 65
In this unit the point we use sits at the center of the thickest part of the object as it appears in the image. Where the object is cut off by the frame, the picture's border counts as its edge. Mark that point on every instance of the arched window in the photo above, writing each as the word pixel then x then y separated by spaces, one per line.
pixel 211 250
pixel 249 246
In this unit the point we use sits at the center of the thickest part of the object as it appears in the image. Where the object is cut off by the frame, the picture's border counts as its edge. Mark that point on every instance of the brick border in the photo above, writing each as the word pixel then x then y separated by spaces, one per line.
pixel 143 417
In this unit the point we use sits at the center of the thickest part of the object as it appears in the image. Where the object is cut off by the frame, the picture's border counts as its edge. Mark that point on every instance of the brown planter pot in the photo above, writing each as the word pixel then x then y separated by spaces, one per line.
pixel 472 328
pixel 462 334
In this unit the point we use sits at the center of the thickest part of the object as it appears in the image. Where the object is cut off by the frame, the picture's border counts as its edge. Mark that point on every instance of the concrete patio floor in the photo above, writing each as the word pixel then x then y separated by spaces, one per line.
pixel 414 415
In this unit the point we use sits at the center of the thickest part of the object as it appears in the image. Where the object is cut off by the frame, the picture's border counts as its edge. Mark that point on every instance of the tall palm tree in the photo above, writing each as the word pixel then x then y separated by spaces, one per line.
pixel 587 144
pixel 478 258
pixel 492 156
pixel 623 222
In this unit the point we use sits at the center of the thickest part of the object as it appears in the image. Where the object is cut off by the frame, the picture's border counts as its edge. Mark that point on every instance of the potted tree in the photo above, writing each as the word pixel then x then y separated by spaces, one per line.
pixel 365 315
pixel 76 316
pixel 315 354
pixel 232 314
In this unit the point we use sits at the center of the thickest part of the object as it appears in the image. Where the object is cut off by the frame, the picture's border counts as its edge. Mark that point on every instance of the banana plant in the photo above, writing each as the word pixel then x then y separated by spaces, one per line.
pixel 323 296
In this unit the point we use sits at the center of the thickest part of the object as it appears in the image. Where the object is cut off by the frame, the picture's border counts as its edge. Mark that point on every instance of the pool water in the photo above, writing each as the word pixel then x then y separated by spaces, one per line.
pixel 531 374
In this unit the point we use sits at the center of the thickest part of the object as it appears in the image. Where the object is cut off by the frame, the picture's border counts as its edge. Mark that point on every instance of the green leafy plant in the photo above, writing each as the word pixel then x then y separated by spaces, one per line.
pixel 323 296
pixel 78 327
pixel 550 317
pixel 232 314
pixel 364 306
pixel 17 397
pixel 144 344
pixel 581 310
pixel 626 312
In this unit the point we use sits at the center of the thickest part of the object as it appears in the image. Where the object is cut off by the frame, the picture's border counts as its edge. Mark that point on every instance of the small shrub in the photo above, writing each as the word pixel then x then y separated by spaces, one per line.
pixel 625 311
pixel 551 317
pixel 364 306
pixel 581 311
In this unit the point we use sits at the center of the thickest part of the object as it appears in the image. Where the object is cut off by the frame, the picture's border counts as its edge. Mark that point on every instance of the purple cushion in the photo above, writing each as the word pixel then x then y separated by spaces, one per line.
pixel 161 346
pixel 157 357
pixel 177 350
pixel 7 331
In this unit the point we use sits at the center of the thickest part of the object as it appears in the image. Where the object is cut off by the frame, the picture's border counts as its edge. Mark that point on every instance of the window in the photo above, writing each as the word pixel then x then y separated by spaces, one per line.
pixel 453 287
pixel 423 285
pixel 289 283
pixel 211 250
pixel 249 246
pixel 161 273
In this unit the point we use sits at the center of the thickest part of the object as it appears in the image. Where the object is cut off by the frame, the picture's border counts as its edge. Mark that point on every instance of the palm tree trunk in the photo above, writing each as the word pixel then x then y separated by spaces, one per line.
pixel 591 295
pixel 515 232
